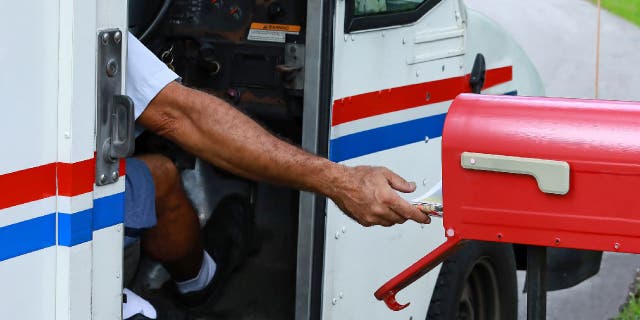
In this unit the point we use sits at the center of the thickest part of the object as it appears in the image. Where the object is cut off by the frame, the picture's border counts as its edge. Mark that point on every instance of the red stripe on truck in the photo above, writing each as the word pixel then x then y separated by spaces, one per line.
pixel 27 185
pixel 416 95
pixel 40 182
pixel 76 178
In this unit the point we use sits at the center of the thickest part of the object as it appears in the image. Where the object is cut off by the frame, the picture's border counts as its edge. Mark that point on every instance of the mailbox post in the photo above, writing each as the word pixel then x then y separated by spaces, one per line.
pixel 536 282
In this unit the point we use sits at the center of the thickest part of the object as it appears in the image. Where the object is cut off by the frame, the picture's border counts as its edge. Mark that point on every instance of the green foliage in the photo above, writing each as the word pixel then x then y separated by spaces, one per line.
pixel 628 9
pixel 631 310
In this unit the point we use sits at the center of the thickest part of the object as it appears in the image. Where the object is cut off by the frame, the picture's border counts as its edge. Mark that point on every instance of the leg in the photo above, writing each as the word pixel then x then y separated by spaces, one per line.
pixel 175 240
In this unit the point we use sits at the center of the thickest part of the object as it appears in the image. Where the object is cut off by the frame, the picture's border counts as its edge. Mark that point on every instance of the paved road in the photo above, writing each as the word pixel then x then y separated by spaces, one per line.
pixel 559 36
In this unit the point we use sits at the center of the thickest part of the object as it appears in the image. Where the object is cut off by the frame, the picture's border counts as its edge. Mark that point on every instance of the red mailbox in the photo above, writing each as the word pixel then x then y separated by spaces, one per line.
pixel 537 171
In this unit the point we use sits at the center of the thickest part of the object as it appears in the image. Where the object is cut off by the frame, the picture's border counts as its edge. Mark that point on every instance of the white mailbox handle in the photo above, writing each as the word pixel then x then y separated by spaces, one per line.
pixel 552 176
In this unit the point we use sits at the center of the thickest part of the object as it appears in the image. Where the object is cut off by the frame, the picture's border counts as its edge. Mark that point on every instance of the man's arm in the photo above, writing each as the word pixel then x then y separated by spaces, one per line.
pixel 218 133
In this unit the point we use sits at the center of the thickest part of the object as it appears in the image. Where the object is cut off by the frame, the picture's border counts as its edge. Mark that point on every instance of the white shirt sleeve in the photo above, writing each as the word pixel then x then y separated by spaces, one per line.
pixel 146 75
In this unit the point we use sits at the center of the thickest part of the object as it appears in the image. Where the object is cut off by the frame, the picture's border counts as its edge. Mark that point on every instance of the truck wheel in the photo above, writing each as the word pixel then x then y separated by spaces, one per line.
pixel 477 283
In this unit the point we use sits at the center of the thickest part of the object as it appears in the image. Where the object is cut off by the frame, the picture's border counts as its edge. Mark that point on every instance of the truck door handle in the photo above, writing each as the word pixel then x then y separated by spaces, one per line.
pixel 552 176
pixel 115 118
pixel 122 127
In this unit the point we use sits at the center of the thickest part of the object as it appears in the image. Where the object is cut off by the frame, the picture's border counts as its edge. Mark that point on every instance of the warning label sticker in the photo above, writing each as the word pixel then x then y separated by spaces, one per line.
pixel 271 32
pixel 266 35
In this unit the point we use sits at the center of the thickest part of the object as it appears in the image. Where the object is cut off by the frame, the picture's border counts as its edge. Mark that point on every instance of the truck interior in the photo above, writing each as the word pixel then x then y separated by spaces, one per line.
pixel 205 41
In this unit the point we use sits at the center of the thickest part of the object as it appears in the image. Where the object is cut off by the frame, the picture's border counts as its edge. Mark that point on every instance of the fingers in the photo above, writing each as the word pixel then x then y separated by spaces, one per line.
pixel 384 216
pixel 387 215
pixel 429 210
pixel 399 205
pixel 398 183
pixel 408 211
pixel 424 209
pixel 370 197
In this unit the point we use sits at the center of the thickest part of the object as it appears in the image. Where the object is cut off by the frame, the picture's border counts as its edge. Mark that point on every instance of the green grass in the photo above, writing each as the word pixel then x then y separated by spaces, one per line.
pixel 631 310
pixel 628 9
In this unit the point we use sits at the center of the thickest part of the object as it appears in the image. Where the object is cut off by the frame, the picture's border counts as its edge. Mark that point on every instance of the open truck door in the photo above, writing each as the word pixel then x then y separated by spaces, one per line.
pixel 61 208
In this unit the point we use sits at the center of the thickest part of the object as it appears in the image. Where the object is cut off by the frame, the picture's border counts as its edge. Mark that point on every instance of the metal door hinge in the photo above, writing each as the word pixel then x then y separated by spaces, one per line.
pixel 115 114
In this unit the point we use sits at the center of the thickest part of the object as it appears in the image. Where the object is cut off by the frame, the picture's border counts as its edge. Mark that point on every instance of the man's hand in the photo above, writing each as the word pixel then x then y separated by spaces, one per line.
pixel 367 194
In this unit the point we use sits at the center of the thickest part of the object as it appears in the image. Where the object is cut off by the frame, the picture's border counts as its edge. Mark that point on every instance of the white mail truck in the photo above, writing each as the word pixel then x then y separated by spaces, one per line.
pixel 361 82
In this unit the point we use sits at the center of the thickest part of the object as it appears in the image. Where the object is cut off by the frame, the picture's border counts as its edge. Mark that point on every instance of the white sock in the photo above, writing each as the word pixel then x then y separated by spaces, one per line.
pixel 136 305
pixel 207 270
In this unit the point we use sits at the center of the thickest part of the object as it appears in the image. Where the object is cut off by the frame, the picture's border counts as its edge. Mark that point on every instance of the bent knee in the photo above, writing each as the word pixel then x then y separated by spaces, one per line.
pixel 164 173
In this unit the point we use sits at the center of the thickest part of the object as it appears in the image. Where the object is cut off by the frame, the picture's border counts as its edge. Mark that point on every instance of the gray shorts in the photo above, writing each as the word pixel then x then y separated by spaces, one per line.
pixel 139 201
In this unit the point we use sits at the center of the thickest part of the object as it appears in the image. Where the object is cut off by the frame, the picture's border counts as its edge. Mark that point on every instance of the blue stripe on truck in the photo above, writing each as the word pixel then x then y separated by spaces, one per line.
pixel 73 229
pixel 384 138
pixel 27 236
pixel 108 211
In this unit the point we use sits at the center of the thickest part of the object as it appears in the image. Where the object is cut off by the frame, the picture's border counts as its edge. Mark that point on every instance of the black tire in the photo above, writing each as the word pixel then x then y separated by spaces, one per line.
pixel 477 283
